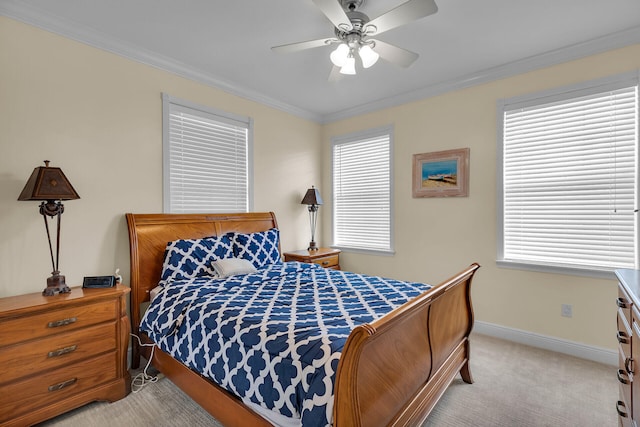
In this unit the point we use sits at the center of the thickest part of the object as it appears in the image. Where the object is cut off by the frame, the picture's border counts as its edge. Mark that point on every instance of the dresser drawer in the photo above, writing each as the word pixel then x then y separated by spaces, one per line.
pixel 624 305
pixel 32 357
pixel 328 261
pixel 624 415
pixel 49 387
pixel 623 335
pixel 633 403
pixel 624 381
pixel 61 352
pixel 56 321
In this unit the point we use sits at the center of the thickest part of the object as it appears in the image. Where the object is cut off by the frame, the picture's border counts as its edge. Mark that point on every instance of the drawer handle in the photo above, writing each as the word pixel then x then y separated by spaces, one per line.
pixel 325 262
pixel 63 322
pixel 628 364
pixel 622 338
pixel 621 302
pixel 621 413
pixel 622 376
pixel 62 351
pixel 62 385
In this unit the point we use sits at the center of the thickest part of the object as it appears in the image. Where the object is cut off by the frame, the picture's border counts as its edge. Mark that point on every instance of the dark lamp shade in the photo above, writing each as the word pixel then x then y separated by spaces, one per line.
pixel 312 197
pixel 48 183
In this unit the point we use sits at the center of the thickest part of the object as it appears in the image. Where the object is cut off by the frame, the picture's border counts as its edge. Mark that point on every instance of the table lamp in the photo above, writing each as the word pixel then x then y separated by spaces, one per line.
pixel 313 199
pixel 51 186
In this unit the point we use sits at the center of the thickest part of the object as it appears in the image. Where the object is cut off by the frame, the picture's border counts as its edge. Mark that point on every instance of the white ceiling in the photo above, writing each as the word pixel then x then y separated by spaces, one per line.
pixel 227 43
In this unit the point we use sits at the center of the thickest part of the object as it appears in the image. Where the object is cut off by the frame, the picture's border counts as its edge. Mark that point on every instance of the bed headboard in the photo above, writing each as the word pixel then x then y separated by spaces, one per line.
pixel 149 234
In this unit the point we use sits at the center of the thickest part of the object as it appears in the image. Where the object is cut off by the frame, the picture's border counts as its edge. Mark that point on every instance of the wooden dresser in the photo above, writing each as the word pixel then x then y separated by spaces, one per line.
pixel 60 352
pixel 326 257
pixel 628 335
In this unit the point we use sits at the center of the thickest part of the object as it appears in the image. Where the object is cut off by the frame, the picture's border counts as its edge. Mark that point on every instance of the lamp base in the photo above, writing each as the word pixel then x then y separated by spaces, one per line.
pixel 56 285
pixel 312 246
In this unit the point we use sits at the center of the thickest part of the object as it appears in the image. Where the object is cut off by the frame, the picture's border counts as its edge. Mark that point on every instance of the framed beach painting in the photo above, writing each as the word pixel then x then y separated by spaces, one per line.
pixel 441 174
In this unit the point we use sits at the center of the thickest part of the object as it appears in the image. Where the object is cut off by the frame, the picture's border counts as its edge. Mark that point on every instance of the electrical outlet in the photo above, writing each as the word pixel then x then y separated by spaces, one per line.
pixel 567 310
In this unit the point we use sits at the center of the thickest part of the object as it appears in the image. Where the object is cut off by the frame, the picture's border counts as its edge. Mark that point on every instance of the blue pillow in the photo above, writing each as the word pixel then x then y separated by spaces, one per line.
pixel 260 248
pixel 186 259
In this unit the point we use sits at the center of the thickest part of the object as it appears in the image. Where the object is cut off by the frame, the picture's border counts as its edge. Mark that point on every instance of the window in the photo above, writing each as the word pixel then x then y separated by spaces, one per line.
pixel 362 197
pixel 568 179
pixel 207 159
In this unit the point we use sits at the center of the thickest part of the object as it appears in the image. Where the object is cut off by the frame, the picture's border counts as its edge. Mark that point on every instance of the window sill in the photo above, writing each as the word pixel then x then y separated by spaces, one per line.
pixel 600 273
pixel 365 251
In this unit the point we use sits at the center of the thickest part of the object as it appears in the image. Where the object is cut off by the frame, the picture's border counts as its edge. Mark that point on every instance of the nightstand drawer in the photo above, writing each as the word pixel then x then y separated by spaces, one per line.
pixel 326 257
pixel 31 358
pixel 61 352
pixel 328 261
pixel 56 321
pixel 49 387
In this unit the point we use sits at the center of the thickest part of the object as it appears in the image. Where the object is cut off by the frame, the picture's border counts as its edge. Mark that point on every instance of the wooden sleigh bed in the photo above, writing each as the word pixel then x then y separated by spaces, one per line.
pixel 429 335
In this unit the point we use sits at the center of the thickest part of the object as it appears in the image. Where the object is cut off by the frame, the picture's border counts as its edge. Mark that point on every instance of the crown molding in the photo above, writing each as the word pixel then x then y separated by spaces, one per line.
pixel 617 40
pixel 74 31
pixel 36 17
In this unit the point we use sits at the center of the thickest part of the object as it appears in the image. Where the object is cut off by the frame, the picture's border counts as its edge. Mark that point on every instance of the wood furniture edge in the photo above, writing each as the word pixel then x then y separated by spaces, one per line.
pixel 227 408
pixel 325 257
pixel 320 252
pixel 14 305
pixel 440 307
pixel 34 304
pixel 200 225
pixel 628 334
pixel 449 354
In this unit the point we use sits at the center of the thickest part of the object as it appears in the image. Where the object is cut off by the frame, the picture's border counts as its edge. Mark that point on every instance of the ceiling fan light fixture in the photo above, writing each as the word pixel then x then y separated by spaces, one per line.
pixel 352 29
pixel 368 56
pixel 349 66
pixel 339 55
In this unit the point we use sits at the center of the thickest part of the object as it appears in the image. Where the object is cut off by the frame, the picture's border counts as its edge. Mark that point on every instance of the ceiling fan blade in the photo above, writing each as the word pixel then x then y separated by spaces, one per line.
pixel 333 10
pixel 403 14
pixel 394 54
pixel 310 44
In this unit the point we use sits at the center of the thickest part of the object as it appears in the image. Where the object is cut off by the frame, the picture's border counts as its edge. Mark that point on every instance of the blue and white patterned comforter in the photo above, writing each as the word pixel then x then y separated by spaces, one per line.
pixel 273 337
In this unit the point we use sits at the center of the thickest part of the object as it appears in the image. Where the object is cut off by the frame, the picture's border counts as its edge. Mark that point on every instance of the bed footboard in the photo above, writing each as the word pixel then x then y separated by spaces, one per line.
pixel 394 370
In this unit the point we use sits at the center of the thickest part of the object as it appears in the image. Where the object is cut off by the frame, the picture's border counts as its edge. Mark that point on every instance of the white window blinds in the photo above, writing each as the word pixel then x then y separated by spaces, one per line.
pixel 206 160
pixel 569 179
pixel 362 191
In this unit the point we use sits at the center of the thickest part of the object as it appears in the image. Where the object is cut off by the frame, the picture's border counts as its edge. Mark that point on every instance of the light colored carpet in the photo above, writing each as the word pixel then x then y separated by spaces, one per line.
pixel 515 386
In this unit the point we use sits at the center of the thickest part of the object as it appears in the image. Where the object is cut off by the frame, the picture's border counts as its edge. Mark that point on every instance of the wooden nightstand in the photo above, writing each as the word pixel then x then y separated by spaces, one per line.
pixel 60 352
pixel 326 257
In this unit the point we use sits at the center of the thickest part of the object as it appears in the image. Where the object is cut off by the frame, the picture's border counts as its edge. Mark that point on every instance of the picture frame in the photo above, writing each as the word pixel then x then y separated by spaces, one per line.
pixel 441 174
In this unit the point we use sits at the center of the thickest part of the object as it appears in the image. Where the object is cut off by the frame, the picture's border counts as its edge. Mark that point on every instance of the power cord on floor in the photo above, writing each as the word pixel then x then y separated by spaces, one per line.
pixel 143 378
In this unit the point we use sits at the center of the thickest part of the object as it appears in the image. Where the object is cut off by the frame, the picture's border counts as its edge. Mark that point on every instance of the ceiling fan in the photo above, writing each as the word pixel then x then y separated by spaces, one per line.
pixel 354 31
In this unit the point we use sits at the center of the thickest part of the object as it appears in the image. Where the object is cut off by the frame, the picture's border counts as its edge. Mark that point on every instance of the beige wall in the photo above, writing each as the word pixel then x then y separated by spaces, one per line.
pixel 436 237
pixel 98 116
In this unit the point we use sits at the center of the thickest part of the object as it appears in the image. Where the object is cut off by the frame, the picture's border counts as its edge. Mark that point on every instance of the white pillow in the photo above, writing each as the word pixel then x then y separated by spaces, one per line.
pixel 232 266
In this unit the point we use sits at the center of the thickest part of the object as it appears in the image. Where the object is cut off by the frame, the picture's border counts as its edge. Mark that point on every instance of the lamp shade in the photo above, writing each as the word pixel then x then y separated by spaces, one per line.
pixel 312 197
pixel 368 56
pixel 48 183
pixel 349 66
pixel 339 55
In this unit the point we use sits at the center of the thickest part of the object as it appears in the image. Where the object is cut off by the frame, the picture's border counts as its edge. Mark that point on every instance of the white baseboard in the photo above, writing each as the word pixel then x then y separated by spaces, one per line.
pixel 596 354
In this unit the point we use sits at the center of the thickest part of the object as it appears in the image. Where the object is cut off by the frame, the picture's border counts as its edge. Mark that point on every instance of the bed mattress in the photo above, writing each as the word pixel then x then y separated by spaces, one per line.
pixel 273 337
